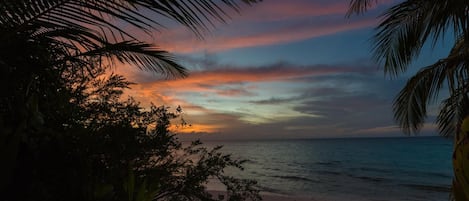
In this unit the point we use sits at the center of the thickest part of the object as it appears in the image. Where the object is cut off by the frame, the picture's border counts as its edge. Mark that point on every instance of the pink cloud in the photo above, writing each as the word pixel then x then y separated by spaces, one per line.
pixel 268 23
pixel 281 10
pixel 185 43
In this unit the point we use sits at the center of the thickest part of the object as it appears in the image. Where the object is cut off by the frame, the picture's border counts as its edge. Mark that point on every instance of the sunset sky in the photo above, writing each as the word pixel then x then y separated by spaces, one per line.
pixel 281 69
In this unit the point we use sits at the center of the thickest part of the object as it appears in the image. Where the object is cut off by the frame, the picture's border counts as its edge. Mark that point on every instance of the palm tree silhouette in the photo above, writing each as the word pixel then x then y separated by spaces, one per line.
pixel 89 27
pixel 399 38
pixel 41 40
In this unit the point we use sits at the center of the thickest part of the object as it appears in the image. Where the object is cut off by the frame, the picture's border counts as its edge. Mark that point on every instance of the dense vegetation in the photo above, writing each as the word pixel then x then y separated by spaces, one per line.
pixel 87 144
pixel 66 132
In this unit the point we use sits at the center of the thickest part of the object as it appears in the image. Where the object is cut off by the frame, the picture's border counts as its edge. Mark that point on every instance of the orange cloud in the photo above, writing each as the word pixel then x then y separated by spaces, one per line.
pixel 196 128
pixel 206 81
pixel 217 99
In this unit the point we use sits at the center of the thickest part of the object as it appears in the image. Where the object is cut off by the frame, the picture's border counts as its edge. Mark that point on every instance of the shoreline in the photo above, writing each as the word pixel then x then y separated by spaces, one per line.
pixel 266 196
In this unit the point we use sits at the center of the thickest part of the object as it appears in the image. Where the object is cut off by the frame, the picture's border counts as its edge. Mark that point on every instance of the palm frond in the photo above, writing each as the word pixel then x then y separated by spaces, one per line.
pixel 423 88
pixel 144 56
pixel 407 26
pixel 359 6
pixel 410 106
pixel 452 111
pixel 70 37
pixel 70 45
pixel 455 108
pixel 97 14
pixel 78 26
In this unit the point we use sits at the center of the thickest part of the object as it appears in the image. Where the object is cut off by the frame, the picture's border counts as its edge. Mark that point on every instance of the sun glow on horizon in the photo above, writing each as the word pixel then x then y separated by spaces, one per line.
pixel 195 128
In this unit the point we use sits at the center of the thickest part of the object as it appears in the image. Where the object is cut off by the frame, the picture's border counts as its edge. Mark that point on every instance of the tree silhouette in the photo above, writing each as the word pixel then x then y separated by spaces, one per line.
pixel 400 36
pixel 64 134
pixel 91 145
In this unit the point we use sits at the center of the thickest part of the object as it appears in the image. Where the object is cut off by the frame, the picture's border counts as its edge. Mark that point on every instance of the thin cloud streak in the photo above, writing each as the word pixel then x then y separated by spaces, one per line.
pixel 202 80
pixel 270 23
pixel 176 42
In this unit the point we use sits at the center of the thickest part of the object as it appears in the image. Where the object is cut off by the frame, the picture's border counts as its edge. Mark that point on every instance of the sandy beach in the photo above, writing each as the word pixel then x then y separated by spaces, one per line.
pixel 272 197
pixel 268 197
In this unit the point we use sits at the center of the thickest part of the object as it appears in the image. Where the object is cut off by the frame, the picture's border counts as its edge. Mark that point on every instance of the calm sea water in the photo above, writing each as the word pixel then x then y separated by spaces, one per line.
pixel 378 169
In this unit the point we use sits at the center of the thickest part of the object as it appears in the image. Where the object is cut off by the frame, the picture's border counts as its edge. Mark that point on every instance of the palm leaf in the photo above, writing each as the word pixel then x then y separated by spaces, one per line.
pixel 144 56
pixel 453 110
pixel 97 14
pixel 410 106
pixel 359 6
pixel 78 27
pixel 407 26
pixel 423 88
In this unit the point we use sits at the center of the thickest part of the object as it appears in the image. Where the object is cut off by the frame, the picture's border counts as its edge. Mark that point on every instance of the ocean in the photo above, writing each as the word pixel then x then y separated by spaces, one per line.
pixel 361 169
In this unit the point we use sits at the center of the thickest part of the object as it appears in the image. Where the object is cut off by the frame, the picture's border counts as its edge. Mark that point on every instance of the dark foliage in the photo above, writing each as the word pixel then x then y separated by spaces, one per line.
pixel 87 144
pixel 66 133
